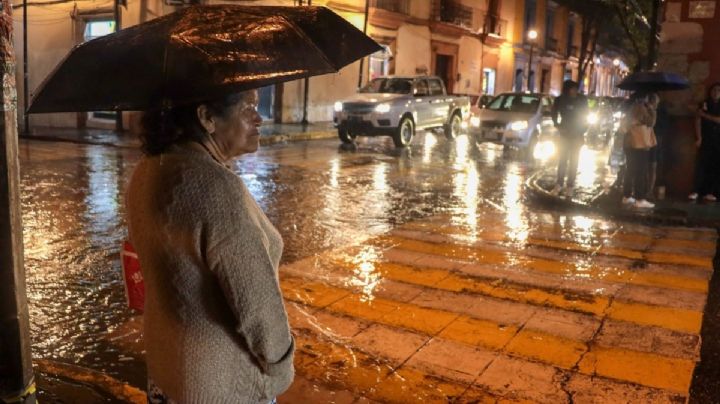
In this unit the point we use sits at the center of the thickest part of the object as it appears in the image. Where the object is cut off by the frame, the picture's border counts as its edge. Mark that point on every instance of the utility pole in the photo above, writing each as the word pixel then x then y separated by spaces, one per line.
pixel 365 24
pixel 26 92
pixel 116 17
pixel 306 88
pixel 17 383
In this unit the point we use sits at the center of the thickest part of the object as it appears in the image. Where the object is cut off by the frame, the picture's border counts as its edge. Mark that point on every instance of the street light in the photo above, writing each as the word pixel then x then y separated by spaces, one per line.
pixel 532 36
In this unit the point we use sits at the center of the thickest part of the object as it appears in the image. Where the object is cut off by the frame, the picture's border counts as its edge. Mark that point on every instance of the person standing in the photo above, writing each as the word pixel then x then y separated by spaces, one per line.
pixel 707 134
pixel 639 139
pixel 663 127
pixel 569 114
pixel 215 327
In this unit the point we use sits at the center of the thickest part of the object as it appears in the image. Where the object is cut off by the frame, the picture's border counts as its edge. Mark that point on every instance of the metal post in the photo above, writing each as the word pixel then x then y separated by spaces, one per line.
pixel 306 89
pixel 116 17
pixel 26 92
pixel 17 383
pixel 365 24
pixel 532 47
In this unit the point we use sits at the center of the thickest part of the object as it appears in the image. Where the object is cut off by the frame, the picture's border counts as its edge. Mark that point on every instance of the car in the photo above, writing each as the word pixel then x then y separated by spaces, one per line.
pixel 398 106
pixel 513 120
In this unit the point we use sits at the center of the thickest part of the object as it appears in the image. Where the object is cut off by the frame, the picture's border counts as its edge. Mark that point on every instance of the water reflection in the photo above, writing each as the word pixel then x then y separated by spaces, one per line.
pixel 517 225
pixel 430 142
pixel 365 275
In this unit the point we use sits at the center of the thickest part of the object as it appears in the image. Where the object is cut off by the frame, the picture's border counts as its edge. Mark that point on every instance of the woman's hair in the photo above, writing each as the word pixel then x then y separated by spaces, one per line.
pixel 162 128
pixel 711 88
pixel 568 85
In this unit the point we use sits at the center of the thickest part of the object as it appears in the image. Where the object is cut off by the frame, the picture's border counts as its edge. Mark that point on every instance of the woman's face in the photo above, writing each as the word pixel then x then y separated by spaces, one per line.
pixel 715 93
pixel 237 131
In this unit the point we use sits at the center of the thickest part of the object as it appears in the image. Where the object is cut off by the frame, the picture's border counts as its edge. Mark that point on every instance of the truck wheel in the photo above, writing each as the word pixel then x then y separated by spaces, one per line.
pixel 345 136
pixel 404 133
pixel 453 127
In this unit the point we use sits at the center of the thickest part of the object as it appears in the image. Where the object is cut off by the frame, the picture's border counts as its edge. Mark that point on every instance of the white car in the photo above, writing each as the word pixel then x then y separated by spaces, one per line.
pixel 513 120
pixel 397 107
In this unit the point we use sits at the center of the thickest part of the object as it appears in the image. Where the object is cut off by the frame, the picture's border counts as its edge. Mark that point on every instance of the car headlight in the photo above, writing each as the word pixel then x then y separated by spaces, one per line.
pixel 338 106
pixel 592 118
pixel 617 115
pixel 382 108
pixel 519 125
pixel 474 121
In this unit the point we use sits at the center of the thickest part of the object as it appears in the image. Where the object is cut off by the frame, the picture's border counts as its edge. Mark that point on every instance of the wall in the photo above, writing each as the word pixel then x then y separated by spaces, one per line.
pixel 413 50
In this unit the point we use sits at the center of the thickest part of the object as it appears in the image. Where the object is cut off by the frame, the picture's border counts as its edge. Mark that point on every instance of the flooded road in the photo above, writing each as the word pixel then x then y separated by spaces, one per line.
pixel 346 206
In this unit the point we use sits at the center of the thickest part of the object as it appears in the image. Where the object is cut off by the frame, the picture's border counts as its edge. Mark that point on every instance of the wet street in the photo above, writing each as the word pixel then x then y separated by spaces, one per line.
pixel 418 275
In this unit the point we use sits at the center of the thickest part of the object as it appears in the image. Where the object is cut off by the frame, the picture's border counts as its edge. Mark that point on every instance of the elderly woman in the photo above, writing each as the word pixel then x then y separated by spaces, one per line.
pixel 216 330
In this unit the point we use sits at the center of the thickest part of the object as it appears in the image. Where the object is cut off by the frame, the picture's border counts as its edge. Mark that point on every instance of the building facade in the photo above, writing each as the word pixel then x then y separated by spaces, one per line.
pixel 476 46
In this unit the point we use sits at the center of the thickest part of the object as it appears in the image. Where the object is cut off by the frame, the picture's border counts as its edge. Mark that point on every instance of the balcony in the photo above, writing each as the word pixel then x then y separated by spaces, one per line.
pixel 572 52
pixel 551 44
pixel 494 30
pixel 395 6
pixel 454 13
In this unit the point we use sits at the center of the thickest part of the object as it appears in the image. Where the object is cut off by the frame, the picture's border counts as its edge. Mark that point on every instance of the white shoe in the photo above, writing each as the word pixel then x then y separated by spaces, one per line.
pixel 628 201
pixel 643 204
pixel 710 198
pixel 556 191
pixel 693 196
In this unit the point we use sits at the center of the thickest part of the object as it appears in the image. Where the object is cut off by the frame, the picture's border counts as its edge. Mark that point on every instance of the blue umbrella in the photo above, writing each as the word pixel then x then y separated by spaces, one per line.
pixel 654 81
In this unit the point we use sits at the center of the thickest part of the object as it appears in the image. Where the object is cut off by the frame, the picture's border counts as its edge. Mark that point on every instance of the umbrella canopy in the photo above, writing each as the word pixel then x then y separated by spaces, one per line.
pixel 199 53
pixel 654 81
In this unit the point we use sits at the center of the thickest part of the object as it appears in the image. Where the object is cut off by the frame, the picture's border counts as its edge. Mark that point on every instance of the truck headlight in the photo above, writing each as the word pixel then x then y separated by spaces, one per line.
pixel 474 121
pixel 592 118
pixel 338 106
pixel 382 108
pixel 519 125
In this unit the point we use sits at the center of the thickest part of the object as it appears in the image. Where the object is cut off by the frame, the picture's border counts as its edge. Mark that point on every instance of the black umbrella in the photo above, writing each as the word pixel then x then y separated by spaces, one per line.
pixel 198 53
pixel 654 81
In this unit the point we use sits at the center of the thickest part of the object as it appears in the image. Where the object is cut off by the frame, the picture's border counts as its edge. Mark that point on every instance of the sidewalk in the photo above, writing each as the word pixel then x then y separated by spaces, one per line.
pixel 602 197
pixel 270 133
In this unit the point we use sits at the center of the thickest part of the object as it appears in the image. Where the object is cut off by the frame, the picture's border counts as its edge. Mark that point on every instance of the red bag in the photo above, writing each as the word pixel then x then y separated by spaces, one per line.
pixel 133 279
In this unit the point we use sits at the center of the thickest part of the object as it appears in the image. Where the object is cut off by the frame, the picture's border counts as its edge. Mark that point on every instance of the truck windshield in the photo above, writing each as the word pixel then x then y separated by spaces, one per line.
pixel 392 86
pixel 515 103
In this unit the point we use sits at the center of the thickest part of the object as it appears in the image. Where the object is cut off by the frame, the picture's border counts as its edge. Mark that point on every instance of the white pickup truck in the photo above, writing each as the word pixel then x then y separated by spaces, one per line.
pixel 397 107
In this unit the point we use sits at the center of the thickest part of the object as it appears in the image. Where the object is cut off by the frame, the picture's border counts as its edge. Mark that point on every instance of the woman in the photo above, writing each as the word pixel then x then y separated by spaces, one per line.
pixel 641 118
pixel 216 330
pixel 707 134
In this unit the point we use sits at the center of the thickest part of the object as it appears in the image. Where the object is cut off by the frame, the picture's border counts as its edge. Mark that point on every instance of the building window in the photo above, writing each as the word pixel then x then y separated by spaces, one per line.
pixel 488 84
pixel 530 11
pixel 550 40
pixel 380 63
pixel 570 37
pixel 519 80
pixel 96 29
pixel 396 6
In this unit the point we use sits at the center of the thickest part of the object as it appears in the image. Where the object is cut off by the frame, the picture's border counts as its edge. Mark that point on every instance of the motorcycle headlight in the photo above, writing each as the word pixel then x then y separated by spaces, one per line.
pixel 592 118
pixel 519 125
pixel 382 108
pixel 338 106
pixel 474 121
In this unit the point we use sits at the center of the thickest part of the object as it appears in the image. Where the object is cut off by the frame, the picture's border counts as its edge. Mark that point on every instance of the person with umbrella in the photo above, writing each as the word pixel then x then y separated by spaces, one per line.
pixel 639 139
pixel 569 115
pixel 215 326
pixel 707 134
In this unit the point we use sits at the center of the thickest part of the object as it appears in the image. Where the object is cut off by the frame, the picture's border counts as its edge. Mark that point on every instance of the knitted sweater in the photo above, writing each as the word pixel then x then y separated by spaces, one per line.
pixel 216 330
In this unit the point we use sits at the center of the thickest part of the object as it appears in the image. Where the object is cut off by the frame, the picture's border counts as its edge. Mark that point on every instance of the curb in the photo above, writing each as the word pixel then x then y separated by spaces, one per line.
pixel 274 139
pixel 651 217
pixel 97 380
pixel 264 140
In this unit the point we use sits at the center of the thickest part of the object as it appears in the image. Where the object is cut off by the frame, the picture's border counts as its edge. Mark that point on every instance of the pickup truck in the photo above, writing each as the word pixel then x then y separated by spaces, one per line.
pixel 397 107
